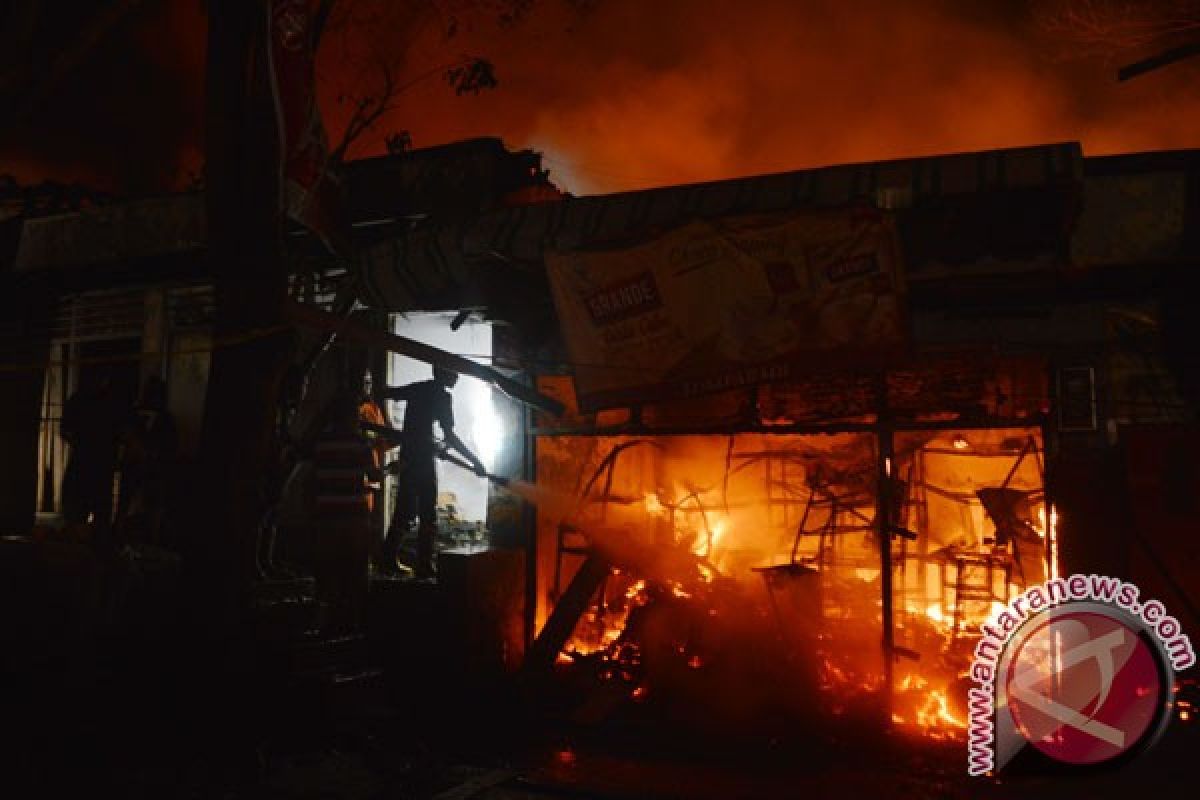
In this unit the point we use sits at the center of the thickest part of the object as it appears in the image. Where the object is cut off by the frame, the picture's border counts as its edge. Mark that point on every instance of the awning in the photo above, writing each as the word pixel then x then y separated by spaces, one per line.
pixel 442 266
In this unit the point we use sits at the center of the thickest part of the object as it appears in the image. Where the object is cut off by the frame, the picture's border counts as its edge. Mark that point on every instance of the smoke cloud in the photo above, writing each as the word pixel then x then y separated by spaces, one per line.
pixel 623 94
pixel 127 118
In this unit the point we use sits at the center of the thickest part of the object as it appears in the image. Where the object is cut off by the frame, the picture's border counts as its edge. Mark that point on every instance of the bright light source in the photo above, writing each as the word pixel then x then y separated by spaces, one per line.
pixel 960 442
pixel 485 424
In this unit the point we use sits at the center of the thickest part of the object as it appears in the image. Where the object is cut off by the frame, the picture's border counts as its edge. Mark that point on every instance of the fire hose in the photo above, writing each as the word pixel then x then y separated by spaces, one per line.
pixel 391 435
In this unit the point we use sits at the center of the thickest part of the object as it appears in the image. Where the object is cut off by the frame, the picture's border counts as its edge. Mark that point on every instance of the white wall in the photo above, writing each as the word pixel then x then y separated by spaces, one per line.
pixel 474 419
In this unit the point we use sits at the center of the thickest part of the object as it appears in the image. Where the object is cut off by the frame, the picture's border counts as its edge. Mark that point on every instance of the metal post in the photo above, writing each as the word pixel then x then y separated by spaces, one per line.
pixel 529 521
pixel 883 520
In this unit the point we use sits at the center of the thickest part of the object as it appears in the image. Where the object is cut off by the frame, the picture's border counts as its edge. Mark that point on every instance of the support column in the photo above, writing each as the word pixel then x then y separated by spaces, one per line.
pixel 154 335
pixel 883 527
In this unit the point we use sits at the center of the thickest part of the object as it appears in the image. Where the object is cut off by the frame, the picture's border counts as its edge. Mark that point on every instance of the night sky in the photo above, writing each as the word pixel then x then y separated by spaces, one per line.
pixel 629 93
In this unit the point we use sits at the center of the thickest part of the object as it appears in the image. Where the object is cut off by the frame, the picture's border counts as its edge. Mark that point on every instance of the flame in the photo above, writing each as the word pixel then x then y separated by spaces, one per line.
pixel 930 707
pixel 695 516
pixel 935 714
pixel 1052 532
pixel 718 530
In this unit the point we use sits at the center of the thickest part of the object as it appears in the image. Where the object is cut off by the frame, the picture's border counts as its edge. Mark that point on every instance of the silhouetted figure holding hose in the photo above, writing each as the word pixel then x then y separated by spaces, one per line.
pixel 416 499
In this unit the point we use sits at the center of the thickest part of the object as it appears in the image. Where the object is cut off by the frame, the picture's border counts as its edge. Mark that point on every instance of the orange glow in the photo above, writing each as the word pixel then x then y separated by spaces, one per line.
pixel 639 97
pixel 696 520
pixel 1052 532
pixel 926 709
pixel 654 506
pixel 627 96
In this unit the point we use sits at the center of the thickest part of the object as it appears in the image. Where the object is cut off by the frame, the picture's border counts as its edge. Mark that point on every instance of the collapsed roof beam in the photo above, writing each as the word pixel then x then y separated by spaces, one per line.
pixel 355 331
pixel 1163 59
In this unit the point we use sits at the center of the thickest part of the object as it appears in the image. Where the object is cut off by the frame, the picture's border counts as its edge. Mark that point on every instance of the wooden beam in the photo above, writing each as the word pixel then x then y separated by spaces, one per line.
pixel 566 615
pixel 1163 59
pixel 357 332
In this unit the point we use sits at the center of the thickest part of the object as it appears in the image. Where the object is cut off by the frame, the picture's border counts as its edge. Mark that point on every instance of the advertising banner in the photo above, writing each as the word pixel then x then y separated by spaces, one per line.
pixel 719 304
pixel 310 194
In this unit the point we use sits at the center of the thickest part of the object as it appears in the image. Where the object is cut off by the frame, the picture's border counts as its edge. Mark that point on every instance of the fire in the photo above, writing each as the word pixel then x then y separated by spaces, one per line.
pixel 720 537
pixel 718 530
pixel 1047 528
pixel 694 516
pixel 1052 532
pixel 926 709
pixel 935 714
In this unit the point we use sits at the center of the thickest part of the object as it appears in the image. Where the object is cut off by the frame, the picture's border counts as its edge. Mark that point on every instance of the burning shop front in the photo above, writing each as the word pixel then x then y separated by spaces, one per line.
pixel 804 451
pixel 764 502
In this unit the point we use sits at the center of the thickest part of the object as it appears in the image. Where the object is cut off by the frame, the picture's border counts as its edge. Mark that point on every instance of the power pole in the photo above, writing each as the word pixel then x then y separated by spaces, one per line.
pixel 251 343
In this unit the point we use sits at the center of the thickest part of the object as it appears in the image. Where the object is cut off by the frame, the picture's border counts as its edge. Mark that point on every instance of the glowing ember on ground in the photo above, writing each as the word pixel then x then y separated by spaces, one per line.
pixel 662 624
pixel 926 709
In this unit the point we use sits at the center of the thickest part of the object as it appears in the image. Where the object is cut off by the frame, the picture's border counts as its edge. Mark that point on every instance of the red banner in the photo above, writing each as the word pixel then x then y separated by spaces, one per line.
pixel 311 195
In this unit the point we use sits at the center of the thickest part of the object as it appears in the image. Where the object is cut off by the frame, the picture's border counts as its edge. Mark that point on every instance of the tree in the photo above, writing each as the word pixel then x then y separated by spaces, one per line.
pixel 253 345
pixel 366 54
pixel 35 58
pixel 1113 27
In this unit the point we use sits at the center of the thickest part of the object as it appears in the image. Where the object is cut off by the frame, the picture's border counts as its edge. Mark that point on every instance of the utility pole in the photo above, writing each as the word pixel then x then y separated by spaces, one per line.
pixel 251 343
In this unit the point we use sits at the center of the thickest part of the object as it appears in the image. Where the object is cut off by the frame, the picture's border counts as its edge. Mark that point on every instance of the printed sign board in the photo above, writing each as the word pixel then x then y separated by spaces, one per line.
pixel 719 304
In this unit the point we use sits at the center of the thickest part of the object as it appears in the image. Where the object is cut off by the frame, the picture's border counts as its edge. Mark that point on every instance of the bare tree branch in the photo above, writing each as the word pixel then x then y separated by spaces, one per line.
pixel 389 31
pixel 369 109
pixel 1106 27
pixel 101 24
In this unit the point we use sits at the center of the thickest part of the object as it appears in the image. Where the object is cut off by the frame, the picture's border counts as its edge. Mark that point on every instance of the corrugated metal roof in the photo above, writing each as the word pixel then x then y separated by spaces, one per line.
pixel 404 272
pixel 118 232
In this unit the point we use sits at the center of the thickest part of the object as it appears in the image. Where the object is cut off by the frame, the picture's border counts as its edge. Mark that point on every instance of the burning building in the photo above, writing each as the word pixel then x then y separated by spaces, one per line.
pixel 853 408
pixel 814 425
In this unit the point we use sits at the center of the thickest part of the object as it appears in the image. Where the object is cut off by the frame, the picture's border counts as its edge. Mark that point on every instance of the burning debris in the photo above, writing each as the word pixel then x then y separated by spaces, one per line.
pixel 710 564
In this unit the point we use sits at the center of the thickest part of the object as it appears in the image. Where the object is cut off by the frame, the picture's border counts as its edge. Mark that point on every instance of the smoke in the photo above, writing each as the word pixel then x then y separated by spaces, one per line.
pixel 631 94
pixel 127 118
pixel 623 94
pixel 555 504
